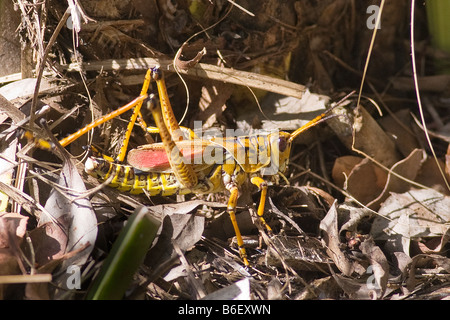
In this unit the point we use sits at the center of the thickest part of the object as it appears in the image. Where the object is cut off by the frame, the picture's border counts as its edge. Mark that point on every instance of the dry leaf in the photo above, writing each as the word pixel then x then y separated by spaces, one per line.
pixel 430 176
pixel 365 180
pixel 324 288
pixel 342 168
pixel 434 260
pixel 407 168
pixel 351 215
pixel 72 223
pixel 12 229
pixel 183 229
pixel 282 113
pixel 378 265
pixel 40 290
pixel 365 135
pixel 239 290
pixel 399 128
pixel 414 214
pixel 329 226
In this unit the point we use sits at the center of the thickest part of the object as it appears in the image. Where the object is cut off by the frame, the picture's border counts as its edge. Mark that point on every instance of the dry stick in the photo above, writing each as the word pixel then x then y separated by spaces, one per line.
pixel 241 8
pixel 416 87
pixel 42 65
pixel 201 70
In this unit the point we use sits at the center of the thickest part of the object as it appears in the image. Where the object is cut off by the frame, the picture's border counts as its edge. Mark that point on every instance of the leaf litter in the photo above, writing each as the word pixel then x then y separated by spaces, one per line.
pixel 365 213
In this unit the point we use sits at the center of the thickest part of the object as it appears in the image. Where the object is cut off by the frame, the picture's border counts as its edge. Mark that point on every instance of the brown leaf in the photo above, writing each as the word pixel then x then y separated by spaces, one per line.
pixel 342 168
pixel 365 135
pixel 183 229
pixel 398 126
pixel 329 226
pixel 430 176
pixel 378 263
pixel 407 168
pixel 12 229
pixel 40 290
pixel 365 180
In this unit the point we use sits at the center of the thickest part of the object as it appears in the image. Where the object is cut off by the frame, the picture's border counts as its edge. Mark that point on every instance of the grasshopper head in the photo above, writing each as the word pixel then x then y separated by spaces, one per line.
pixel 97 167
pixel 280 146
pixel 284 148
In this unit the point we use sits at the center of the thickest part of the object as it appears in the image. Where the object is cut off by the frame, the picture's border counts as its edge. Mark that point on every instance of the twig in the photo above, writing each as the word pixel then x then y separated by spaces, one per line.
pixel 200 70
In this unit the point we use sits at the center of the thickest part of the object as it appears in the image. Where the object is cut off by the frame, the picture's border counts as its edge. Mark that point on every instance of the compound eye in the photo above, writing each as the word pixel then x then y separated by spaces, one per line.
pixel 282 144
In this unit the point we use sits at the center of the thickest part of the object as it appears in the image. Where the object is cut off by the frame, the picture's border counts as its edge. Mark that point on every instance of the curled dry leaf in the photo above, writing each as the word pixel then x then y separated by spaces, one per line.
pixel 186 65
pixel 185 230
pixel 329 226
pixel 379 265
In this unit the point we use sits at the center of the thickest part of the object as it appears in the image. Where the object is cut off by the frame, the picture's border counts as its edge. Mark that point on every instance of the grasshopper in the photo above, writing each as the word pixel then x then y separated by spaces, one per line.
pixel 183 163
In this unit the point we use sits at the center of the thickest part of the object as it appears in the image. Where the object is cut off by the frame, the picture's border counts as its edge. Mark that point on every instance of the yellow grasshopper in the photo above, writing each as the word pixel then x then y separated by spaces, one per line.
pixel 184 163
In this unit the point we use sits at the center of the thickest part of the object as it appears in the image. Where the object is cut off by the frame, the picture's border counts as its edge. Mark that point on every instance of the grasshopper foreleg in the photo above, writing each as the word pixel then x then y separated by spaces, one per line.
pixel 231 208
pixel 262 185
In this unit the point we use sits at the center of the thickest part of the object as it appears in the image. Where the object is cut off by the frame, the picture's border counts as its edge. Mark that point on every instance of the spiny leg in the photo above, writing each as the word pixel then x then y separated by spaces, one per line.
pixel 74 136
pixel 183 171
pixel 262 185
pixel 231 208
pixel 137 112
pixel 167 111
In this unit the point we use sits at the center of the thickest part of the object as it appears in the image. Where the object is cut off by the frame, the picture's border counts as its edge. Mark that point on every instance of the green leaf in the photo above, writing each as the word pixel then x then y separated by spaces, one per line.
pixel 125 257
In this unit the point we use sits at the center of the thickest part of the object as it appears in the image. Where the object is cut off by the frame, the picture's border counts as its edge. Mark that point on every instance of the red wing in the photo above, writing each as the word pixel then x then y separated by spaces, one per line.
pixel 153 157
